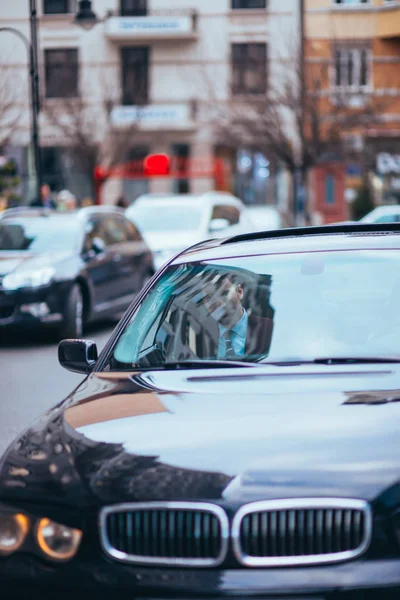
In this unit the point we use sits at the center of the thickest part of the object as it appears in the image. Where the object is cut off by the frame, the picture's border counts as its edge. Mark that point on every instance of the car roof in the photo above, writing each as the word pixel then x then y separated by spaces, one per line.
pixel 298 239
pixel 80 213
pixel 202 199
pixel 387 209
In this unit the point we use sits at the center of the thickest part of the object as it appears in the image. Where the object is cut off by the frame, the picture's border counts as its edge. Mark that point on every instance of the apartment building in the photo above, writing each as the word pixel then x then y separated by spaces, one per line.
pixel 163 71
pixel 355 45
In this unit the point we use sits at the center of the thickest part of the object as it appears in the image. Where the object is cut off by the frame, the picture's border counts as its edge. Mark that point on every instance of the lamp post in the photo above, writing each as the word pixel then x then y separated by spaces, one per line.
pixel 32 49
pixel 85 17
pixel 34 101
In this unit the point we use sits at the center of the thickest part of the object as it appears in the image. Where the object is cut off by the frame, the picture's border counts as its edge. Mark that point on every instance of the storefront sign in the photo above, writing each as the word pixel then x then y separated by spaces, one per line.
pixel 160 115
pixel 121 27
pixel 388 163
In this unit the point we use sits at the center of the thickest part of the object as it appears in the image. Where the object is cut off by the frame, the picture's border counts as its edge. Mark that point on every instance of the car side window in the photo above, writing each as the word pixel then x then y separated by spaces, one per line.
pixel 94 229
pixel 388 219
pixel 226 211
pixel 115 230
pixel 132 233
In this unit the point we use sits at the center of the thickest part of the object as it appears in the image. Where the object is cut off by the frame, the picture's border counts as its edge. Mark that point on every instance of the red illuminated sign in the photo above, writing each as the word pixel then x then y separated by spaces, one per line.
pixel 156 164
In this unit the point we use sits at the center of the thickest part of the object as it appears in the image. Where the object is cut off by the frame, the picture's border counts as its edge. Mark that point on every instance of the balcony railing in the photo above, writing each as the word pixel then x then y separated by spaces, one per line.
pixel 157 25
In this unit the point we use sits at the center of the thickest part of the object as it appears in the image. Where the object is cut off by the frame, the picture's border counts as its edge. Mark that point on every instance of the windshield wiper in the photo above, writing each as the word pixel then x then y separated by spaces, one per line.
pixel 339 360
pixel 343 360
pixel 200 364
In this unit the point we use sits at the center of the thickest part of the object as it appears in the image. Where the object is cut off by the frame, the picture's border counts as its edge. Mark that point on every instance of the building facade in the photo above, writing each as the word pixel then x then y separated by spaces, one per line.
pixel 355 44
pixel 154 74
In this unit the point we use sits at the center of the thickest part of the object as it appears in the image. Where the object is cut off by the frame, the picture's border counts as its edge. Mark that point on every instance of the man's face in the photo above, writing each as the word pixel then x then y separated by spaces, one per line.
pixel 223 300
pixel 45 190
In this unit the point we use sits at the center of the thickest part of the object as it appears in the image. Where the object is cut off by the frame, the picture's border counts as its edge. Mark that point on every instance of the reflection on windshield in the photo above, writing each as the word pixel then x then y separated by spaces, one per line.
pixel 272 308
pixel 167 218
pixel 201 312
pixel 38 235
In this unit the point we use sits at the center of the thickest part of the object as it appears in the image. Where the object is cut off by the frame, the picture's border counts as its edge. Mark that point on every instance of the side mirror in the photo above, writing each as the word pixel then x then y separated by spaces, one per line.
pixel 218 225
pixel 98 245
pixel 78 356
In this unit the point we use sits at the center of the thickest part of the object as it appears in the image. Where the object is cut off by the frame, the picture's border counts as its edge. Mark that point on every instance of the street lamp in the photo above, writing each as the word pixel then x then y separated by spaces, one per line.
pixel 32 49
pixel 85 17
pixel 34 100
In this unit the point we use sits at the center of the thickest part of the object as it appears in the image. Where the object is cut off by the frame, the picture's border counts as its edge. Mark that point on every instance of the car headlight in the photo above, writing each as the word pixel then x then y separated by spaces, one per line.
pixel 56 541
pixel 13 531
pixel 28 279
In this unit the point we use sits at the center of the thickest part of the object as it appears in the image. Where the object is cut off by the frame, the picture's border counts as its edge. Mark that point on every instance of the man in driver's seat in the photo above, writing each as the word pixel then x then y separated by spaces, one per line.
pixel 238 333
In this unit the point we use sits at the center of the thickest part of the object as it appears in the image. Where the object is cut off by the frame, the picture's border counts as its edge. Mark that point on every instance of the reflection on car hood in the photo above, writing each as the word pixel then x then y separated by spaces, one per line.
pixel 225 436
pixel 10 261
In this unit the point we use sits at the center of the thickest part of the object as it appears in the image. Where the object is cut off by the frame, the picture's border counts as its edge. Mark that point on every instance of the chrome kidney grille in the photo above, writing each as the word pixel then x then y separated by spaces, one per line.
pixel 304 531
pixel 301 531
pixel 167 533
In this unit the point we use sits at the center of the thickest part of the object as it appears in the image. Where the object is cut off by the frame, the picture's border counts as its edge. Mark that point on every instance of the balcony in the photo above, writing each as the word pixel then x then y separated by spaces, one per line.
pixel 165 25
pixel 155 117
pixel 388 25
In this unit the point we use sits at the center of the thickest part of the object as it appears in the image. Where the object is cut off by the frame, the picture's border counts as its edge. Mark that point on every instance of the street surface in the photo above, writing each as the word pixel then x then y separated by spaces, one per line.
pixel 31 379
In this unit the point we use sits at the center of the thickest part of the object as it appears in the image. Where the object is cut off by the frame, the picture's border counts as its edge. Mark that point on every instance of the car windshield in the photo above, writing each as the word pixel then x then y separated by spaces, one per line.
pixel 275 308
pixel 168 217
pixel 37 235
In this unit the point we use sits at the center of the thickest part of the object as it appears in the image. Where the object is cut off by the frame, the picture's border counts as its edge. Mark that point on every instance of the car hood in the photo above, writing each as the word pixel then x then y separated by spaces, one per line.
pixel 232 436
pixel 24 261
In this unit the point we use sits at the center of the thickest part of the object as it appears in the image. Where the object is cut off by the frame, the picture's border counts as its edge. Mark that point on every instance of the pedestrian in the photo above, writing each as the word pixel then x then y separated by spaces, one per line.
pixel 122 202
pixel 46 199
pixel 87 202
pixel 66 200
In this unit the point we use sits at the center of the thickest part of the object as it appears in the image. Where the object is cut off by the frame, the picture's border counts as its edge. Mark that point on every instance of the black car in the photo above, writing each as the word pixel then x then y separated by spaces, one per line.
pixel 67 269
pixel 238 436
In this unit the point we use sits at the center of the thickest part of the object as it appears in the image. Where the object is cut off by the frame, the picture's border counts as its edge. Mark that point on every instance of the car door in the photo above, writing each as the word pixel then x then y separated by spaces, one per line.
pixel 134 258
pixel 102 264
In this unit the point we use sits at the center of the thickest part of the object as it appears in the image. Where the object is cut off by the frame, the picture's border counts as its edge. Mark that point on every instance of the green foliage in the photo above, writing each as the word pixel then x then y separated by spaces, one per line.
pixel 363 203
pixel 8 182
pixel 8 169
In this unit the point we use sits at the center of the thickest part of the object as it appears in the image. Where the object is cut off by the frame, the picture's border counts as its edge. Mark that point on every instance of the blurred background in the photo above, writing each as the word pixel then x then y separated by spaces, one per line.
pixel 293 105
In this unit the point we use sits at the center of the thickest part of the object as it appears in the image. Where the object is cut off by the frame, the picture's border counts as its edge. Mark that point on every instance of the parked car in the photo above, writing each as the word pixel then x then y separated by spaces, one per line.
pixel 383 214
pixel 173 222
pixel 179 468
pixel 67 269
pixel 265 217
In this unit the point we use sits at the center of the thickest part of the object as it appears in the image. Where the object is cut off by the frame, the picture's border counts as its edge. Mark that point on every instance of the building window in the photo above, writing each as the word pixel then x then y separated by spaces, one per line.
pixel 329 189
pixel 249 68
pixel 58 7
pixel 348 2
pixel 249 4
pixel 181 154
pixel 61 73
pixel 135 76
pixel 133 8
pixel 352 67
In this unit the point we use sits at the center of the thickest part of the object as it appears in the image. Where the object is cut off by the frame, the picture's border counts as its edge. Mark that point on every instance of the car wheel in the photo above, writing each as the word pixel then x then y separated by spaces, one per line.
pixel 72 326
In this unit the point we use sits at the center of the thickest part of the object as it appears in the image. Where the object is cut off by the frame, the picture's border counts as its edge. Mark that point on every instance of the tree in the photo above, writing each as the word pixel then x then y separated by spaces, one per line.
pixel 10 102
pixel 363 203
pixel 299 121
pixel 86 128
